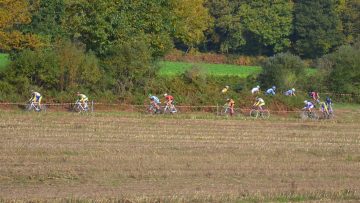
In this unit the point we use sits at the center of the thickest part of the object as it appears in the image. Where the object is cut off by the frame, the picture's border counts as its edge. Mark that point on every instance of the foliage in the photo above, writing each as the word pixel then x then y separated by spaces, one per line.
pixel 350 16
pixel 100 24
pixel 47 19
pixel 227 35
pixel 250 26
pixel 64 68
pixel 77 68
pixel 128 66
pixel 12 14
pixel 341 69
pixel 267 23
pixel 317 27
pixel 283 70
pixel 190 21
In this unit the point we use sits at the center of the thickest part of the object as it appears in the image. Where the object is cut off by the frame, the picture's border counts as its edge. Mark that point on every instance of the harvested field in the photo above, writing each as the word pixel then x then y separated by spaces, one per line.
pixel 103 156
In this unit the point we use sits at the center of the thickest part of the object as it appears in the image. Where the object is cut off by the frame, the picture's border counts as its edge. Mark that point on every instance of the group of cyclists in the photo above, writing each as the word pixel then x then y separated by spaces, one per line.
pixel 325 106
pixel 259 104
pixel 155 103
pixel 36 100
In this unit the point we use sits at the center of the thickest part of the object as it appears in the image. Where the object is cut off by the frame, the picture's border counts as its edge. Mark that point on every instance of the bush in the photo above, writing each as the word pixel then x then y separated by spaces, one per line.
pixel 283 70
pixel 341 70
pixel 129 67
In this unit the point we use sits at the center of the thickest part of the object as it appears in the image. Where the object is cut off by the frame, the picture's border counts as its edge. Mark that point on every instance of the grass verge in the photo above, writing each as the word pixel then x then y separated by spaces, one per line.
pixel 4 60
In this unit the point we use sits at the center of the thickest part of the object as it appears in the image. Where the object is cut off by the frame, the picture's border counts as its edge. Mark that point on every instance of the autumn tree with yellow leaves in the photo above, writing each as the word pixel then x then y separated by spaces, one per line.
pixel 13 14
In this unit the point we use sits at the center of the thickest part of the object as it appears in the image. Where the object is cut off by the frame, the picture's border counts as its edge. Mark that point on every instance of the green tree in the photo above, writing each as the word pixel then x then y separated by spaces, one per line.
pixel 268 23
pixel 60 68
pixel 350 17
pixel 341 70
pixel 47 19
pixel 190 20
pixel 317 27
pixel 283 70
pixel 128 67
pixel 227 33
pixel 100 24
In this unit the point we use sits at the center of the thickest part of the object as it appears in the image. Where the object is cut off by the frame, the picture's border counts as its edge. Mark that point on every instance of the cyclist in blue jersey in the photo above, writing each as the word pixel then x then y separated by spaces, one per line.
pixel 290 92
pixel 271 91
pixel 328 103
pixel 308 105
pixel 154 101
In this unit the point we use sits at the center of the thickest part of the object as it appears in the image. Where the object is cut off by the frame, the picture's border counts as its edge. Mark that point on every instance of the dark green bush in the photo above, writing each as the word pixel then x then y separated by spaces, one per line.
pixel 128 66
pixel 341 70
pixel 283 70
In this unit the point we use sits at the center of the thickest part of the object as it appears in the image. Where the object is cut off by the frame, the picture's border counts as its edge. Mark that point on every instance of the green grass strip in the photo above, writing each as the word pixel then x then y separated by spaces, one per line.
pixel 4 60
pixel 168 68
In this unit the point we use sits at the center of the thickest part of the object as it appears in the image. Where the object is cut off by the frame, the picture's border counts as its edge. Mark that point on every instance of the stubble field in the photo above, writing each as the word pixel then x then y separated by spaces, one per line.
pixel 109 156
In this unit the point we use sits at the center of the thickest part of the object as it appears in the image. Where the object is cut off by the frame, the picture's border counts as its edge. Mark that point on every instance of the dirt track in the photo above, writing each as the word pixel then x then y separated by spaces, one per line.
pixel 64 155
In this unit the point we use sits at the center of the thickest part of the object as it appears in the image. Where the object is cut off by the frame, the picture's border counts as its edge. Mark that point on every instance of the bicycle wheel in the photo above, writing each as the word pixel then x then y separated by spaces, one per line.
pixel 42 108
pixel 304 115
pixel 224 111
pixel 312 115
pixel 167 110
pixel 254 113
pixel 265 114
pixel 174 110
pixel 29 107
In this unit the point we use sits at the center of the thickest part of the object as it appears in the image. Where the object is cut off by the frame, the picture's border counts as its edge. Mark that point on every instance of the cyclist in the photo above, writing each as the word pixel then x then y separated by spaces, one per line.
pixel 83 99
pixel 328 103
pixel 324 108
pixel 169 100
pixel 271 91
pixel 259 103
pixel 255 90
pixel 225 89
pixel 290 92
pixel 231 104
pixel 154 101
pixel 315 96
pixel 308 105
pixel 36 98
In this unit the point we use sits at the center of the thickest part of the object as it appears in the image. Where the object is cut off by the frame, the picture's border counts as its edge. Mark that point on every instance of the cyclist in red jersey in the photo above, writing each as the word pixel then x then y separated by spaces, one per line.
pixel 169 99
pixel 315 96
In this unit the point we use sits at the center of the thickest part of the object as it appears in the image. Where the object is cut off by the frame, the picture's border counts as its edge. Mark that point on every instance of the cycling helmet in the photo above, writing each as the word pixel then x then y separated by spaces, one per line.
pixel 293 89
pixel 273 87
pixel 165 94
pixel 149 95
pixel 227 86
pixel 258 86
pixel 227 99
pixel 305 101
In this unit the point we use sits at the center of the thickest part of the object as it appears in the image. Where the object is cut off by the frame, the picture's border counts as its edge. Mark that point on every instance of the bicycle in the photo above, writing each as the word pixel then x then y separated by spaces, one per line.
pixel 256 113
pixel 151 109
pixel 327 114
pixel 226 110
pixel 78 107
pixel 31 106
pixel 309 115
pixel 170 109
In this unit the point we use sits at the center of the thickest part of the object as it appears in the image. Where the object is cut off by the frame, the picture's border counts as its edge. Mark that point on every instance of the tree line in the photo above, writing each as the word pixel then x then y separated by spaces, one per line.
pixel 308 28
pixel 110 48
